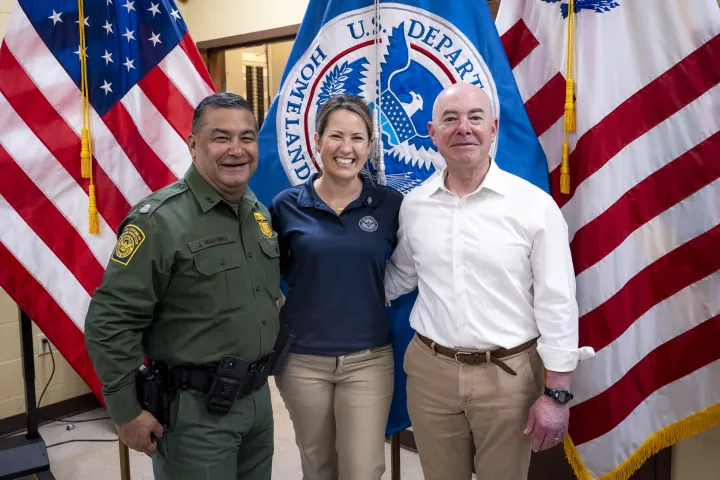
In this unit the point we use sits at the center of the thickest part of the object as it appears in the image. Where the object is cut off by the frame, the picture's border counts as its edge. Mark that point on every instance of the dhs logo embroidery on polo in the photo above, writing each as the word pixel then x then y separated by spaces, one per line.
pixel 128 244
pixel 368 223
pixel 419 55
pixel 264 225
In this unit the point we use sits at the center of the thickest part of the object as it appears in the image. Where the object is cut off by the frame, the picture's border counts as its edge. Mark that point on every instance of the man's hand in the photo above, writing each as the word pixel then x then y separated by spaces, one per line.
pixel 547 422
pixel 136 433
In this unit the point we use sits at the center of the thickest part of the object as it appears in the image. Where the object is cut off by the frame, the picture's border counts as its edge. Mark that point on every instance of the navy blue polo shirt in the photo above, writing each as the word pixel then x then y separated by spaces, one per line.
pixel 335 267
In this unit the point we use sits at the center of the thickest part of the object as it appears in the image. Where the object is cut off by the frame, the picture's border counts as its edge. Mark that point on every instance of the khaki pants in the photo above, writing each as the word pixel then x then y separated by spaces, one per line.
pixel 339 408
pixel 453 405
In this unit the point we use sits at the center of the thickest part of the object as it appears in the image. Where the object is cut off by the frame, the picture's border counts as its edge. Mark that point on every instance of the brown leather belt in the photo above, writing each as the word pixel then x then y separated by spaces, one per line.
pixel 478 358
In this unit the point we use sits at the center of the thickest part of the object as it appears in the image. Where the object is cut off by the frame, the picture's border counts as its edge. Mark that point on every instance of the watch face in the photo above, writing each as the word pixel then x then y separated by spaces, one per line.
pixel 560 395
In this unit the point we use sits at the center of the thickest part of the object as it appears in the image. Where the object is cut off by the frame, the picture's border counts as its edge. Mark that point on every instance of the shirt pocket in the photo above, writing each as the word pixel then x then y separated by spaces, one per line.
pixel 271 251
pixel 215 261
pixel 218 273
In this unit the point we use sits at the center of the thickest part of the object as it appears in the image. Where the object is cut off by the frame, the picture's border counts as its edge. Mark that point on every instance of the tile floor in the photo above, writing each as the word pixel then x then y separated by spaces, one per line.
pixel 93 461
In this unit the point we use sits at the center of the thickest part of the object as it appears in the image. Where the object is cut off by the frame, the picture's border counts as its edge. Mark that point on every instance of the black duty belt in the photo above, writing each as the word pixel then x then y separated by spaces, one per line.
pixel 201 378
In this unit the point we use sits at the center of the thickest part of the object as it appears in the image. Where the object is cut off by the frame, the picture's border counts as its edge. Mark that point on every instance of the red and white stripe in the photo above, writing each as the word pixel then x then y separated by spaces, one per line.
pixel 644 208
pixel 51 265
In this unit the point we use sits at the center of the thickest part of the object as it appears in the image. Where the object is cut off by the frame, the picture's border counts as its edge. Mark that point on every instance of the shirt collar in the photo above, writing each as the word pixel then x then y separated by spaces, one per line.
pixel 206 196
pixel 309 198
pixel 494 180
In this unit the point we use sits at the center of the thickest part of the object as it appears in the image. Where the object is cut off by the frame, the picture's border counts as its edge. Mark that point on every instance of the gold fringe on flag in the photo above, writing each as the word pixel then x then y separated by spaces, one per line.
pixel 569 124
pixel 685 428
pixel 86 137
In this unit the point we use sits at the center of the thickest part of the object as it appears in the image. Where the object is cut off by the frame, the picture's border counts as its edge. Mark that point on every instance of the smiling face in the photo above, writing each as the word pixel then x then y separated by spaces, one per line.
pixel 344 145
pixel 225 151
pixel 463 126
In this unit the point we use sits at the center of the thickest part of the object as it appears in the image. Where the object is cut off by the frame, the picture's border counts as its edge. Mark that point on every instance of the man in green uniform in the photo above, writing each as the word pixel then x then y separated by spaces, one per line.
pixel 194 278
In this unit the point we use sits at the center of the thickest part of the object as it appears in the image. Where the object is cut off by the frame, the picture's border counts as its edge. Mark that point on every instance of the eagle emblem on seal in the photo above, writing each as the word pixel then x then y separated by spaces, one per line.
pixel 599 6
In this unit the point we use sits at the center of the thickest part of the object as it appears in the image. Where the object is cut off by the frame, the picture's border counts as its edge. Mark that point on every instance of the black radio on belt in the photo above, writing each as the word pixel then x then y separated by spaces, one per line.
pixel 228 380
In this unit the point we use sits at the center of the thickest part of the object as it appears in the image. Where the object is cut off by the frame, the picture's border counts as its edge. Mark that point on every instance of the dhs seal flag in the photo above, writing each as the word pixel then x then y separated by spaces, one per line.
pixel 397 56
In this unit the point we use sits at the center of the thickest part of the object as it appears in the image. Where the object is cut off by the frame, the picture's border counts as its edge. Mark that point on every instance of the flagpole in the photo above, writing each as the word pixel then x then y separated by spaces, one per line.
pixel 377 111
pixel 124 461
pixel 395 457
pixel 381 180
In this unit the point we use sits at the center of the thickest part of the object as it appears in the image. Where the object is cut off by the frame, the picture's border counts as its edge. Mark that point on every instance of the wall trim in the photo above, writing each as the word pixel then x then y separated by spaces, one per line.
pixel 65 408
pixel 246 39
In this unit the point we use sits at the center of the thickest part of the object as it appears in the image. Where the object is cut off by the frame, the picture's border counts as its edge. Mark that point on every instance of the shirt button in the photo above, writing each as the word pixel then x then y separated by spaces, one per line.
pixel 264 322
pixel 249 254
pixel 257 289
pixel 222 262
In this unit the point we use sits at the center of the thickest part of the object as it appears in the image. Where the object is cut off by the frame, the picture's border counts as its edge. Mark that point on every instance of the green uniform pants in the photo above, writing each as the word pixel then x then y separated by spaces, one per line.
pixel 207 446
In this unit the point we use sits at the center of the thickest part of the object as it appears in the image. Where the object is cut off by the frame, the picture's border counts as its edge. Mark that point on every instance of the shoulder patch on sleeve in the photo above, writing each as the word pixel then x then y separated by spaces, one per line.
pixel 129 241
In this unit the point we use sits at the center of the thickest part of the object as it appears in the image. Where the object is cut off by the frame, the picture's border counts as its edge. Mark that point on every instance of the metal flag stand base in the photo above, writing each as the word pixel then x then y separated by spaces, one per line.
pixel 23 455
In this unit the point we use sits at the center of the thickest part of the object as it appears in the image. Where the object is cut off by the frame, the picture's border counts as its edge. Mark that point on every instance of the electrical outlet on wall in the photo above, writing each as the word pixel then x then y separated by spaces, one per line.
pixel 43 344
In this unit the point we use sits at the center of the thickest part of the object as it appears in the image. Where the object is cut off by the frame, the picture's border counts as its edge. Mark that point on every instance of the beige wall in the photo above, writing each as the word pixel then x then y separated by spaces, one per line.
pixel 211 19
pixel 698 457
pixel 66 383
pixel 6 7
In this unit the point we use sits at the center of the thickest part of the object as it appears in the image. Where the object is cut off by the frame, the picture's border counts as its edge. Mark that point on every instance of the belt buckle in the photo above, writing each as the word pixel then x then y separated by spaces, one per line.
pixel 488 355
pixel 460 352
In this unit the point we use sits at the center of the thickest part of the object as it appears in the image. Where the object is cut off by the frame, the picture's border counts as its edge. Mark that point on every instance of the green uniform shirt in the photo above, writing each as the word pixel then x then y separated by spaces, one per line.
pixel 192 278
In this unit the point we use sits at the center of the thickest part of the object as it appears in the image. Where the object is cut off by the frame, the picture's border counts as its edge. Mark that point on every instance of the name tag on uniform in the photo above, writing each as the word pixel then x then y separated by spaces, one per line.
pixel 207 242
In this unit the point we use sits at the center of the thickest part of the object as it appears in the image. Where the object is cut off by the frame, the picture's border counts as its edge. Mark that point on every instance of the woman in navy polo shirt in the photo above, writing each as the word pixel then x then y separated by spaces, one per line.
pixel 335 233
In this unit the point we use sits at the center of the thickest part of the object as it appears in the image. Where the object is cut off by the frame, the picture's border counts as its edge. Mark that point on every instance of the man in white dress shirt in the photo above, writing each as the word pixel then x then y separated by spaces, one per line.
pixel 489 255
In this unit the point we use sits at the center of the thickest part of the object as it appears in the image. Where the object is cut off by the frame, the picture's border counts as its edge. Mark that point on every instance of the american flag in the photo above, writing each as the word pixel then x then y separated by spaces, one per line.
pixel 145 77
pixel 643 212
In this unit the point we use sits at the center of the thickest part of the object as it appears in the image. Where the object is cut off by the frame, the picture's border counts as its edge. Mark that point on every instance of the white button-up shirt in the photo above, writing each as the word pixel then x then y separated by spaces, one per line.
pixel 493 269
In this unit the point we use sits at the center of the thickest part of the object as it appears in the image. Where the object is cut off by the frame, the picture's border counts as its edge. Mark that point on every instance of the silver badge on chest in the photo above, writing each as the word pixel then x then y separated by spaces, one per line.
pixel 368 223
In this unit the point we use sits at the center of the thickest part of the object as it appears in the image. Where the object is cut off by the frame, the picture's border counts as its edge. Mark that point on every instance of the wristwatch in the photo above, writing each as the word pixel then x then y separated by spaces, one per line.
pixel 559 395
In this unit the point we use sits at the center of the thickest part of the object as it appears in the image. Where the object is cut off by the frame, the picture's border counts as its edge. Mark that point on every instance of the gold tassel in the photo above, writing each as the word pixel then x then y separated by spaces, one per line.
pixel 565 170
pixel 569 123
pixel 86 137
pixel 85 156
pixel 570 105
pixel 94 227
